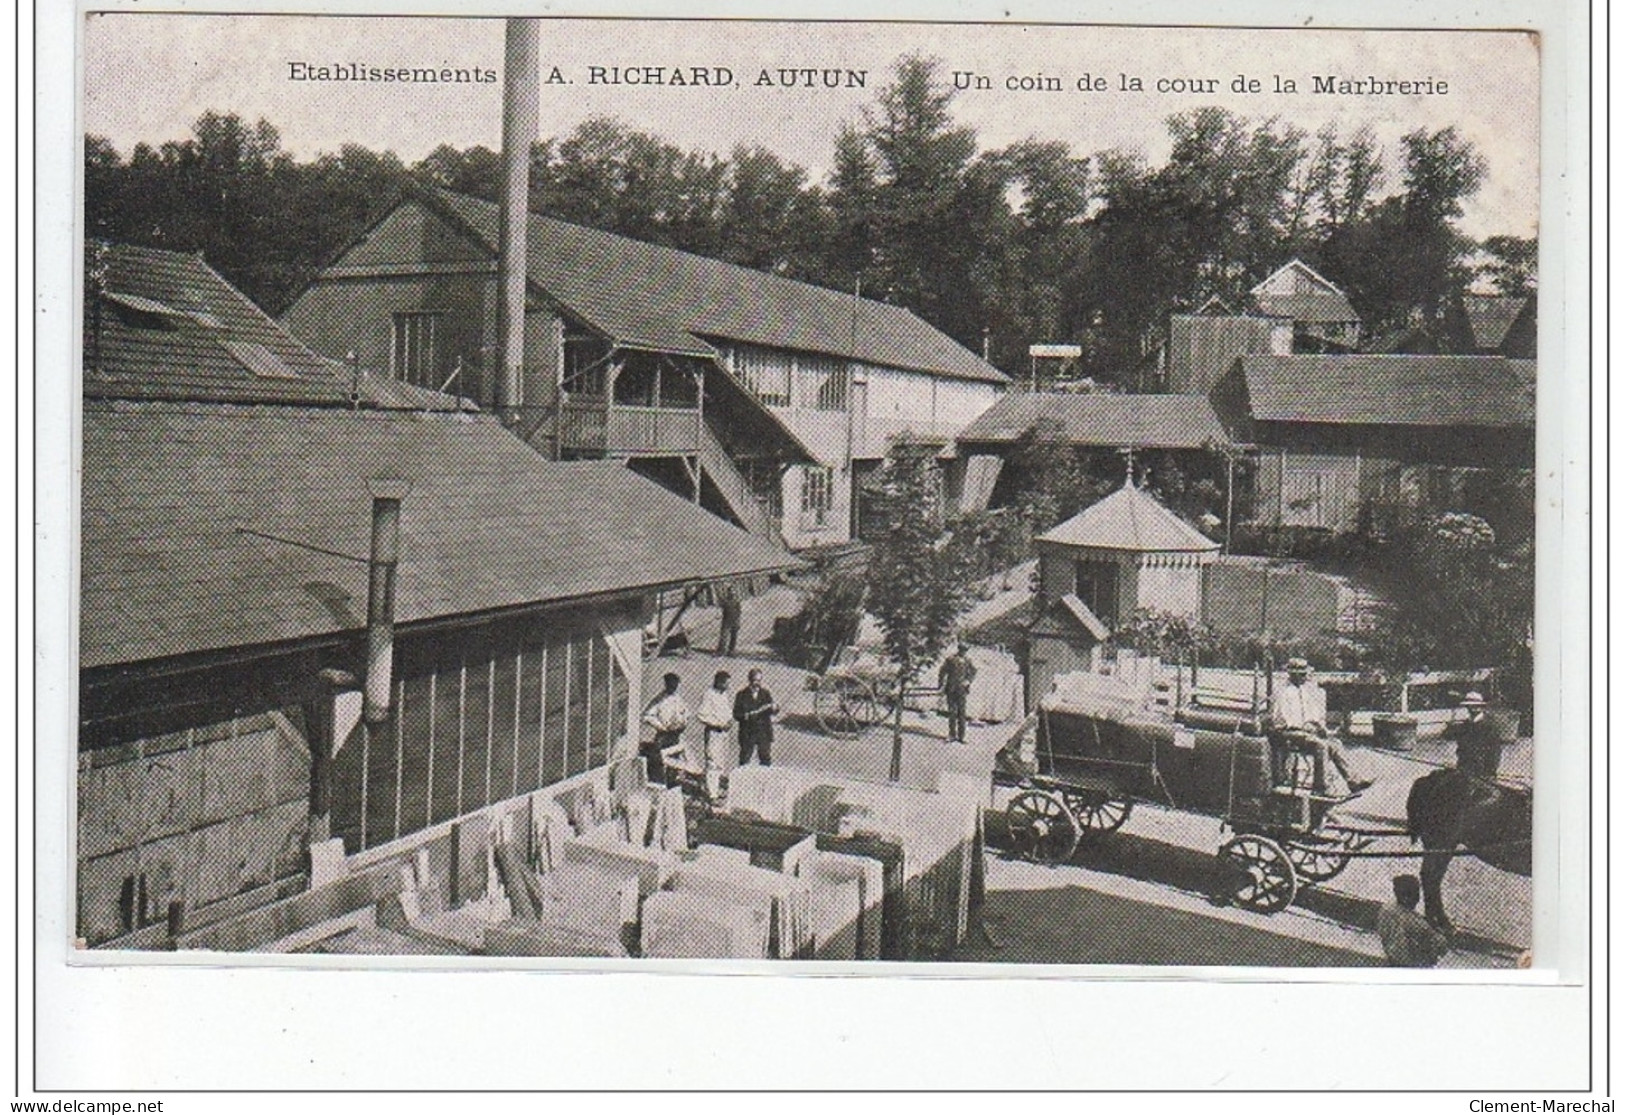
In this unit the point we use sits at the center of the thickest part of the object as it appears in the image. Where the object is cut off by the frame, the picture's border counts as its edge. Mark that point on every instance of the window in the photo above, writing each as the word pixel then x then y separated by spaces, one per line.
pixel 766 485
pixel 415 353
pixel 824 382
pixel 817 497
pixel 766 374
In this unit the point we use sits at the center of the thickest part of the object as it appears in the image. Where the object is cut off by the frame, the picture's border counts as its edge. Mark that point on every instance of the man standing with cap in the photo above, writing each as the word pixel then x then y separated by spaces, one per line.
pixel 1478 746
pixel 954 679
pixel 1299 718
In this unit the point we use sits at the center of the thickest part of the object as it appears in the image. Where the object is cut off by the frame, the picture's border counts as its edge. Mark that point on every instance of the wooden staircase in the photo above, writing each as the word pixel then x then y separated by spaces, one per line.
pixel 735 490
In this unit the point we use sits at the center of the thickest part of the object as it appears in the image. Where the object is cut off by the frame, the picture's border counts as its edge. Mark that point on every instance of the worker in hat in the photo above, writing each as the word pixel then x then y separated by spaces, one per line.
pixel 1478 745
pixel 1298 723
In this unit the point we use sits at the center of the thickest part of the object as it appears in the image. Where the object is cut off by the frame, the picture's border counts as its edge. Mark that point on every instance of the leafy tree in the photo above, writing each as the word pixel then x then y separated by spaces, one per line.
pixel 919 577
pixel 924 213
pixel 612 177
pixel 1459 598
pixel 1511 267
pixel 476 171
pixel 1406 259
pixel 1166 635
pixel 1052 481
pixel 770 219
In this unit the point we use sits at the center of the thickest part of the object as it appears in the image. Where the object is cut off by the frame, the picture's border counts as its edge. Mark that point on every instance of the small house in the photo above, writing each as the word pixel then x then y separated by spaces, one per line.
pixel 1341 437
pixel 1323 319
pixel 1124 552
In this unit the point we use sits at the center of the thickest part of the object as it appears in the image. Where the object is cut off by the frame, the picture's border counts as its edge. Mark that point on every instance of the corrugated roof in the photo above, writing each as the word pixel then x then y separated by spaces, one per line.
pixel 1490 316
pixel 1134 421
pixel 1391 390
pixel 1130 519
pixel 169 327
pixel 648 296
pixel 198 522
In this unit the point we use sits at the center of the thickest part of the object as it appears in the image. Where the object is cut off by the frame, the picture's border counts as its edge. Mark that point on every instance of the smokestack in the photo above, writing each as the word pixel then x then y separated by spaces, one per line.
pixel 521 95
pixel 386 551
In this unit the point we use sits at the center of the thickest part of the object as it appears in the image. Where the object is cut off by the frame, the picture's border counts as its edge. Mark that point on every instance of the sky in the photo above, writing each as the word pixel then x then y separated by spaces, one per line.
pixel 148 76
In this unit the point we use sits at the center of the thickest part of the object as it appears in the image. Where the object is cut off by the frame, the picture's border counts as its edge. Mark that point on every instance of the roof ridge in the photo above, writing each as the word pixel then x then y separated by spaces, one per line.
pixel 445 199
pixel 711 260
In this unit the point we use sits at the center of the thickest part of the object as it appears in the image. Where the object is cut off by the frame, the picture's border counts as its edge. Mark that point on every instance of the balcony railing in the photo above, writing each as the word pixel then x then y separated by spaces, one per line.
pixel 613 428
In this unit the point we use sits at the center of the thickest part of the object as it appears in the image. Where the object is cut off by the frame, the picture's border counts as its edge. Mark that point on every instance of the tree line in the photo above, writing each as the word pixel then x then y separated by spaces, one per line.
pixel 999 248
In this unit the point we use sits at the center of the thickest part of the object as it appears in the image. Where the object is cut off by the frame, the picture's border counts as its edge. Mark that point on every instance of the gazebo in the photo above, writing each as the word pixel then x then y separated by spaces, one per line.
pixel 1123 552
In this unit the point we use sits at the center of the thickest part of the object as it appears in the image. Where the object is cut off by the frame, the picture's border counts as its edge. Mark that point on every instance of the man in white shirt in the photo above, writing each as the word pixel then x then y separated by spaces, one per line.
pixel 667 715
pixel 716 717
pixel 1299 717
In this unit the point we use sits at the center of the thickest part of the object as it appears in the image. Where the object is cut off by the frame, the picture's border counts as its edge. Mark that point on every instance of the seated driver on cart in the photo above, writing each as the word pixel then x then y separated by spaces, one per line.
pixel 1298 724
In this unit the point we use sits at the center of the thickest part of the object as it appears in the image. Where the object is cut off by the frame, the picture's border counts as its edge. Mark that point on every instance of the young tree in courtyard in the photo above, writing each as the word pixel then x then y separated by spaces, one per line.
pixel 919 575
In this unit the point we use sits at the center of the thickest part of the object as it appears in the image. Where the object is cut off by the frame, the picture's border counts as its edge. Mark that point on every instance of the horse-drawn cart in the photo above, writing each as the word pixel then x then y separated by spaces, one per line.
pixel 1091 763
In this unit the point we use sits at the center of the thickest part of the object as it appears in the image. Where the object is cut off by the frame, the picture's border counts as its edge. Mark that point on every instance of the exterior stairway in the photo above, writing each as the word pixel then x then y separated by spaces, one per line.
pixel 735 490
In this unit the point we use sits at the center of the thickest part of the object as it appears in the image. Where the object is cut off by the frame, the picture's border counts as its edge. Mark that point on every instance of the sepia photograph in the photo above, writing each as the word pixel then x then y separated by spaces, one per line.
pixel 824 492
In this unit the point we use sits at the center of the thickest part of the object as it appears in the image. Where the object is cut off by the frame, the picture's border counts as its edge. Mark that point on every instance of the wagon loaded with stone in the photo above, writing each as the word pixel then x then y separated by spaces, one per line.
pixel 1092 754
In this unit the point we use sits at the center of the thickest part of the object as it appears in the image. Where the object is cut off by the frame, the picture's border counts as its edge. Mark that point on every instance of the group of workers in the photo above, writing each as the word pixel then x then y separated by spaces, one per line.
pixel 668 716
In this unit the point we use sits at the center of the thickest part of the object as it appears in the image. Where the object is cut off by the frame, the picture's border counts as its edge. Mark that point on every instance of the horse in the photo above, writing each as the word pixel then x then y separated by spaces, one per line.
pixel 1449 809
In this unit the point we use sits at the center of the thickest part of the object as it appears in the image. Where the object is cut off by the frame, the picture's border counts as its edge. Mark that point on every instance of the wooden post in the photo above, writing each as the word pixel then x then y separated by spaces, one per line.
pixel 1229 497
pixel 897 734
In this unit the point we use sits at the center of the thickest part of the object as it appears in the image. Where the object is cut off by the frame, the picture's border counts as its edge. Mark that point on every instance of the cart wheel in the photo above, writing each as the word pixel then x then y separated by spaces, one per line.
pixel 1265 880
pixel 1042 828
pixel 845 707
pixel 1318 858
pixel 1097 814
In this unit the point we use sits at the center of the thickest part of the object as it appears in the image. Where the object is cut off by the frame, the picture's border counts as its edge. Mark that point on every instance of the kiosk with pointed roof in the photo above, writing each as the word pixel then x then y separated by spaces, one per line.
pixel 1123 552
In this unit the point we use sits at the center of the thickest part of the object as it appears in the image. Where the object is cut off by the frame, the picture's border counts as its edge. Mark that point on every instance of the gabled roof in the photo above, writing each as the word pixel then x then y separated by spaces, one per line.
pixel 1324 302
pixel 165 325
pixel 204 526
pixel 1079 611
pixel 1099 420
pixel 1391 390
pixel 1489 317
pixel 1130 519
pixel 647 296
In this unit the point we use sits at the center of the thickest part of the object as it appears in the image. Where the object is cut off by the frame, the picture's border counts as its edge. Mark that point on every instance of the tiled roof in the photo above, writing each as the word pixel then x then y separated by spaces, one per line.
pixel 203 525
pixel 1130 519
pixel 165 325
pixel 1132 421
pixel 1490 316
pixel 648 296
pixel 1391 390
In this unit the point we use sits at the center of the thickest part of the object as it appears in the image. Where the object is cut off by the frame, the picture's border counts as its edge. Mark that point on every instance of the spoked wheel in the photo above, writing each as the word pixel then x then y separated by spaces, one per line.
pixel 846 706
pixel 1042 828
pixel 1264 878
pixel 1318 858
pixel 1097 813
